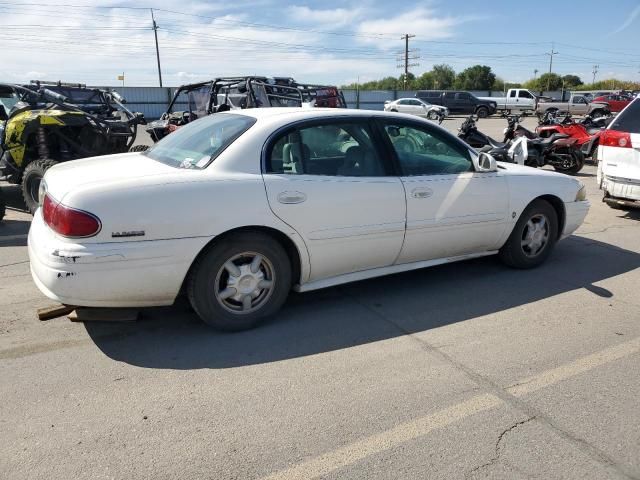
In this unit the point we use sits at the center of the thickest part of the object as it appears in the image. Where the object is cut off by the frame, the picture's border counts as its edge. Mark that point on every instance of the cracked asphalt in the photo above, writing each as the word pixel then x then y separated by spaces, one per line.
pixel 470 370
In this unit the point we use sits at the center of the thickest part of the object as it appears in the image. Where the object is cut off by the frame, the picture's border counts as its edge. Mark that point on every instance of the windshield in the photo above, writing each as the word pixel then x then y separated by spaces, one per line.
pixel 197 144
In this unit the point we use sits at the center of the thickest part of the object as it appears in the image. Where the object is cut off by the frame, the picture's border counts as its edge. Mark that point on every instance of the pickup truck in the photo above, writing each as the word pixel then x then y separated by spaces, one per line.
pixel 518 99
pixel 577 105
pixel 458 102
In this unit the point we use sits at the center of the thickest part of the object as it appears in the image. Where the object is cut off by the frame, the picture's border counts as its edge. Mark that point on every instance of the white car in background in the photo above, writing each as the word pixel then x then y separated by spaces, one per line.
pixel 619 159
pixel 236 209
pixel 416 106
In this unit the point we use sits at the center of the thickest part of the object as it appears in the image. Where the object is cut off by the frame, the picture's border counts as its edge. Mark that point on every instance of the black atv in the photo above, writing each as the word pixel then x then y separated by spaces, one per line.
pixel 58 122
pixel 231 93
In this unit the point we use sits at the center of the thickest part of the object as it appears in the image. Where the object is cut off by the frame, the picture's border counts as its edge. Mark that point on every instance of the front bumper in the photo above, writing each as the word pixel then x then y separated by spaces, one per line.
pixel 575 213
pixel 119 274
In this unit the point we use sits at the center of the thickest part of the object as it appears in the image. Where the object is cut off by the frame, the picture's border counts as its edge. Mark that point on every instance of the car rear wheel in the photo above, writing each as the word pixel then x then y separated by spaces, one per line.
pixel 533 237
pixel 240 281
pixel 31 179
pixel 482 112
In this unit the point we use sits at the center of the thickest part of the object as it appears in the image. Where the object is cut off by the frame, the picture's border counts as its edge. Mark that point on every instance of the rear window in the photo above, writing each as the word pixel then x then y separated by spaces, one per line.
pixel 197 144
pixel 629 119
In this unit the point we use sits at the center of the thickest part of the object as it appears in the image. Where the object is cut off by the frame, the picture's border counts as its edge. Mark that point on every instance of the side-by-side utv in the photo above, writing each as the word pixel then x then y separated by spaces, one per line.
pixel 51 122
pixel 196 100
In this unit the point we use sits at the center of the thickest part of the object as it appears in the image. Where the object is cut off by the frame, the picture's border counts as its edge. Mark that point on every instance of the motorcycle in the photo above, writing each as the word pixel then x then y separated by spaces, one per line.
pixel 557 149
pixel 523 146
pixel 586 132
pixel 469 132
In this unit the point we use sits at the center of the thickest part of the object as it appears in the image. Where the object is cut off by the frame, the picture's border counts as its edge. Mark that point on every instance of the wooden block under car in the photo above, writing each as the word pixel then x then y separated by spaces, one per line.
pixel 54 311
pixel 82 314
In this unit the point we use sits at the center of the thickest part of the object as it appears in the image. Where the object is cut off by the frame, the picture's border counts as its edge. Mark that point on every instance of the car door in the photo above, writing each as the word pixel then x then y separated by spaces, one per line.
pixel 327 180
pixel 464 103
pixel 403 106
pixel 452 210
pixel 449 101
pixel 579 105
pixel 525 100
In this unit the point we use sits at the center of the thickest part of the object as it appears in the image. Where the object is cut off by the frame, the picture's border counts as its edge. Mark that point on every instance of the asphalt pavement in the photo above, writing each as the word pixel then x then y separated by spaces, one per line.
pixel 470 370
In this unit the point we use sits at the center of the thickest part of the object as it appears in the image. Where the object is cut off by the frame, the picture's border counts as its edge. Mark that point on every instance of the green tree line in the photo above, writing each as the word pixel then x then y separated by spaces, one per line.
pixel 480 77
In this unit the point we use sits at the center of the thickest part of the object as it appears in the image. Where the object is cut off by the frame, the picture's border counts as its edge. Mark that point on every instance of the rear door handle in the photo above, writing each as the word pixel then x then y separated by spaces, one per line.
pixel 421 192
pixel 291 197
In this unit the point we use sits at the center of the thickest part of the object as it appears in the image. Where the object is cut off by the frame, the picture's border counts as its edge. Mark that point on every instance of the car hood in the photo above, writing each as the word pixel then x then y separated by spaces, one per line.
pixel 120 170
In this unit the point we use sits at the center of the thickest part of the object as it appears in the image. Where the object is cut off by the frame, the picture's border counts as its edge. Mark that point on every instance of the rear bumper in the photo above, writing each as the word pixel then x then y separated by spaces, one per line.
pixel 119 274
pixel 575 213
pixel 621 188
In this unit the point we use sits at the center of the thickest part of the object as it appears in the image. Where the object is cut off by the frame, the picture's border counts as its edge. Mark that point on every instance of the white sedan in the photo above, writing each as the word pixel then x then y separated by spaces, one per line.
pixel 236 209
pixel 416 106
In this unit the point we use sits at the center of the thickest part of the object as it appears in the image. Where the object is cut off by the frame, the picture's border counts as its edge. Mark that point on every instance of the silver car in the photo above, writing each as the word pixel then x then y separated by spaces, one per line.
pixel 416 106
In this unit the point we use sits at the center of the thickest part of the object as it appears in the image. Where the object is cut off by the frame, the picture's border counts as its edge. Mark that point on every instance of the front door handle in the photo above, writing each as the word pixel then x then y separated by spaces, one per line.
pixel 422 192
pixel 291 197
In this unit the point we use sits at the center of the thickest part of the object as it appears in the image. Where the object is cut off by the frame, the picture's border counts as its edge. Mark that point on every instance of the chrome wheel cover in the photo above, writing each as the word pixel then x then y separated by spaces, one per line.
pixel 244 283
pixel 535 235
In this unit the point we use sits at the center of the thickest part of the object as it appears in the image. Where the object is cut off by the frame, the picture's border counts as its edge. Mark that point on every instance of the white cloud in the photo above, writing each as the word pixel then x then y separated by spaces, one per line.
pixel 334 17
pixel 421 21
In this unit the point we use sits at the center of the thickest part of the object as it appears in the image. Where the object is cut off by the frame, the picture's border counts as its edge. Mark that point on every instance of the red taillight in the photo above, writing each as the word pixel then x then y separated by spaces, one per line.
pixel 614 138
pixel 68 221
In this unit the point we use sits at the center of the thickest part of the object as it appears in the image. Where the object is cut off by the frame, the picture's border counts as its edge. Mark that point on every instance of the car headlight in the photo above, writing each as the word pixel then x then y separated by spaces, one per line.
pixel 582 193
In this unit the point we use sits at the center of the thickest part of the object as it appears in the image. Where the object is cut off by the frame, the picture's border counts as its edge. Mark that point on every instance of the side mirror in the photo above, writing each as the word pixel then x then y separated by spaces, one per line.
pixel 486 163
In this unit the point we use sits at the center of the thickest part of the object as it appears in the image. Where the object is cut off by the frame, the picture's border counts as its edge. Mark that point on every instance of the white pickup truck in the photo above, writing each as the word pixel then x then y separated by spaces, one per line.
pixel 517 99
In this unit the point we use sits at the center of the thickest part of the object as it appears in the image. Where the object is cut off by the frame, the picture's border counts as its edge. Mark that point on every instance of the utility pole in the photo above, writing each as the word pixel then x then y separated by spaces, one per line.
pixel 550 64
pixel 595 70
pixel 404 62
pixel 535 73
pixel 155 33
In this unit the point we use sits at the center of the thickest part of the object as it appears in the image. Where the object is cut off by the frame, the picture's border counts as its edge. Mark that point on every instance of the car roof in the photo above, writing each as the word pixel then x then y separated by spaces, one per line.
pixel 296 113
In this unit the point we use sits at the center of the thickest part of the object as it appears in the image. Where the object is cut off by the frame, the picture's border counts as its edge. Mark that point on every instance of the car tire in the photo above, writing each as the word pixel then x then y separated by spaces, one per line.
pixel 31 178
pixel 482 112
pixel 526 248
pixel 229 292
pixel 139 148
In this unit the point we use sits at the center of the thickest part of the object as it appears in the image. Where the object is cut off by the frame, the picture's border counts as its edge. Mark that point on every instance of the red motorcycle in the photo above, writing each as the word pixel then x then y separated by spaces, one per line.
pixel 586 132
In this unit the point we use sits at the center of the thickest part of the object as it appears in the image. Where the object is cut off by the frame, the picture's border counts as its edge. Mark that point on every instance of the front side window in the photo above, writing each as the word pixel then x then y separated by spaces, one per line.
pixel 331 149
pixel 463 96
pixel 197 144
pixel 422 151
pixel 524 94
pixel 579 100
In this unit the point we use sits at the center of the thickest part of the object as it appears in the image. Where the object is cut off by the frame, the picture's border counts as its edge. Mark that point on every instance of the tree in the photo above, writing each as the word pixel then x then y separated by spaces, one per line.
pixel 443 77
pixel 500 85
pixel 478 77
pixel 571 81
pixel 546 81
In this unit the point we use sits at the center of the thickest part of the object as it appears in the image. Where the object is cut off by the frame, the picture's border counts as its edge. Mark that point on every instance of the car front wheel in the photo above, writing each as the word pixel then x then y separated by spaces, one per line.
pixel 533 237
pixel 240 281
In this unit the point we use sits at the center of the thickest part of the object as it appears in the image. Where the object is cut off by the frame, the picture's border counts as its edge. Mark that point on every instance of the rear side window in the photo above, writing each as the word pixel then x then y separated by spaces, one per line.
pixel 629 119
pixel 343 149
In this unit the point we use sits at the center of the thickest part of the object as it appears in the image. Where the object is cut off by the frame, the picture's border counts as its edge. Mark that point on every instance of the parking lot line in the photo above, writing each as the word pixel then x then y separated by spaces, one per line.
pixel 584 364
pixel 360 449
pixel 365 447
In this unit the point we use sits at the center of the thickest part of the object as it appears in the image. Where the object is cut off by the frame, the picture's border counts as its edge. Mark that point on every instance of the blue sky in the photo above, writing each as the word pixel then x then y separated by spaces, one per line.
pixel 327 42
